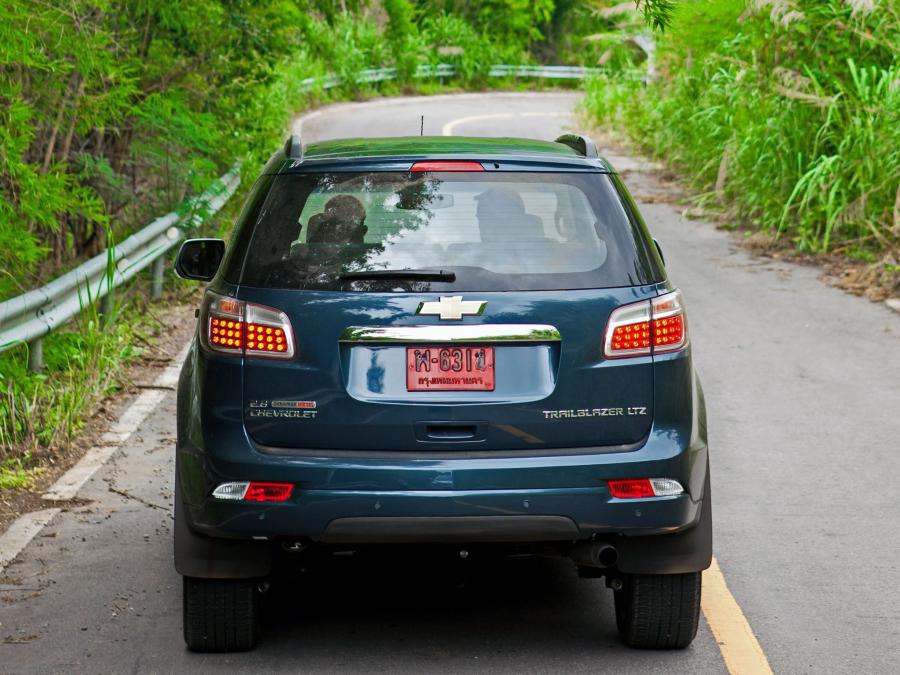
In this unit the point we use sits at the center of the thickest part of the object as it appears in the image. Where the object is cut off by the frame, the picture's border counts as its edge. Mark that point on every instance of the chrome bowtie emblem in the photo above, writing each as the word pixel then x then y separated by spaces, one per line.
pixel 452 307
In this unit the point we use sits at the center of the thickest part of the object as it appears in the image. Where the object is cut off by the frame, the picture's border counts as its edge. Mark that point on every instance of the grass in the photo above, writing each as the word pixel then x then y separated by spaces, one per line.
pixel 15 474
pixel 790 128
pixel 42 412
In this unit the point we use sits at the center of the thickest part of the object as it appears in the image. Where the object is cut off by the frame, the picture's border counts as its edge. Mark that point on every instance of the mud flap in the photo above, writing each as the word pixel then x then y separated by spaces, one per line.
pixel 689 551
pixel 208 558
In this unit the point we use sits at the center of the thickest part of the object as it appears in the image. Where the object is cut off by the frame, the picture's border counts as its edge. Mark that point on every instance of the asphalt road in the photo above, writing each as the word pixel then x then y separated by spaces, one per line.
pixel 803 391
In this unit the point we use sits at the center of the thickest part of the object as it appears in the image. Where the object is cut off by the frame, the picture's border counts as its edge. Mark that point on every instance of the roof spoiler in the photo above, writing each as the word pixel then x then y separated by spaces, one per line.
pixel 580 143
pixel 293 148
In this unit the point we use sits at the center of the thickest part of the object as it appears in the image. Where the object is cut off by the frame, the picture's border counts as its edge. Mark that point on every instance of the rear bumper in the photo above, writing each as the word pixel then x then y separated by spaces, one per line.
pixel 661 535
pixel 535 515
pixel 569 485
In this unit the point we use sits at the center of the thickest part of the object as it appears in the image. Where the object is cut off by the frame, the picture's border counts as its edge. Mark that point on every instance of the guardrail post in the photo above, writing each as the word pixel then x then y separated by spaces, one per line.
pixel 106 306
pixel 156 286
pixel 36 355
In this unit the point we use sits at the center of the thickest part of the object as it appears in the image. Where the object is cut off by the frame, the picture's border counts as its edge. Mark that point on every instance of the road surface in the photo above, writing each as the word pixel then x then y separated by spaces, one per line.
pixel 803 390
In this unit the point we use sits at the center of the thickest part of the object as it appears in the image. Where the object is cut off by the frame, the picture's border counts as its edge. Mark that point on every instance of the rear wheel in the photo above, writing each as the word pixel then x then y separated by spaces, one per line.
pixel 220 615
pixel 658 611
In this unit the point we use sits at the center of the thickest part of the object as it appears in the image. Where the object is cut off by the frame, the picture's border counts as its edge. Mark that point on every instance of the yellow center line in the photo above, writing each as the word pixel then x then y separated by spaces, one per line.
pixel 739 646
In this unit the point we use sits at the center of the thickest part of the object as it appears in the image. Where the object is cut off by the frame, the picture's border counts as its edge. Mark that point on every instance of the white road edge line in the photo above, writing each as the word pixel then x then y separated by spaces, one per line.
pixel 22 531
pixel 68 485
pixel 27 526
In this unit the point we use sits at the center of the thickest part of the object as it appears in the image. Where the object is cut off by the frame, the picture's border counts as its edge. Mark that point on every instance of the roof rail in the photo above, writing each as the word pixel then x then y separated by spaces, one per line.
pixel 580 143
pixel 293 148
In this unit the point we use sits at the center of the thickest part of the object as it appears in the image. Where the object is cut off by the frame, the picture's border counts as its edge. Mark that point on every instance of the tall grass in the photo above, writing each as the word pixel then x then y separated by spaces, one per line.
pixel 41 412
pixel 788 114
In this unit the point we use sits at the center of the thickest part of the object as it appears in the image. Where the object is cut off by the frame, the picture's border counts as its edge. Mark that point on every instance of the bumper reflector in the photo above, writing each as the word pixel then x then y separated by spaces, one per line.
pixel 254 492
pixel 269 492
pixel 638 488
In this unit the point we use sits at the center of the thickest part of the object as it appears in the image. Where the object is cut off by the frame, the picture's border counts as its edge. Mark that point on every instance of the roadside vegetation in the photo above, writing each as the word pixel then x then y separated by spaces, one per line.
pixel 785 114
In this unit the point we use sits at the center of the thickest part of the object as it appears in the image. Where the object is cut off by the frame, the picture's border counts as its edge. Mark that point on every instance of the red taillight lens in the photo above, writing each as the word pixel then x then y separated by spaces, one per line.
pixel 451 165
pixel 265 339
pixel 648 327
pixel 631 488
pixel 668 332
pixel 637 488
pixel 225 333
pixel 244 328
pixel 268 492
pixel 631 336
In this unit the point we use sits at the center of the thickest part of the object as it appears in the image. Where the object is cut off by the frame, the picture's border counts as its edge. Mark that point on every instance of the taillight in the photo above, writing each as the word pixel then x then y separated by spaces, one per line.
pixel 254 491
pixel 639 488
pixel 647 327
pixel 245 329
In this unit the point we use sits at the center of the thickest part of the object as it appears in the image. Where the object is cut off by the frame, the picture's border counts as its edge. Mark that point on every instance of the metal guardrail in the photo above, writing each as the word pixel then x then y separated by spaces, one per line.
pixel 29 317
pixel 442 70
pixel 32 315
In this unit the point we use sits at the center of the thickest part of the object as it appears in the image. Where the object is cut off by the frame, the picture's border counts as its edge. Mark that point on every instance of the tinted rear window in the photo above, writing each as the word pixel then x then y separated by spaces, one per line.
pixel 491 231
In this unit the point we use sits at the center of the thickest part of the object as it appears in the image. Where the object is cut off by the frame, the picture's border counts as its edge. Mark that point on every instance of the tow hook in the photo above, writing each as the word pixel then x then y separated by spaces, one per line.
pixel 294 545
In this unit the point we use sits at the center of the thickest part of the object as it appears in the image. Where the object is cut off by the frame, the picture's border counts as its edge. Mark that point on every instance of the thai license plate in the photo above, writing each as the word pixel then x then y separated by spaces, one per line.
pixel 450 368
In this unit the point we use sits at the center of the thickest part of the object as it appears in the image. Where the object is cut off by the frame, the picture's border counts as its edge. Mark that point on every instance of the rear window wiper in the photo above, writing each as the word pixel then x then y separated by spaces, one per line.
pixel 419 275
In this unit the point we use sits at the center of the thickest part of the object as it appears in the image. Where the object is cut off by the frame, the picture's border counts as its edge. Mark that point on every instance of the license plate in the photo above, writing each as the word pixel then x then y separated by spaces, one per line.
pixel 450 369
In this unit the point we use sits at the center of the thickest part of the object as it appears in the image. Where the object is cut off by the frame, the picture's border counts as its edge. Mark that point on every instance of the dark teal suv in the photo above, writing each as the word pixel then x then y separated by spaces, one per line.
pixel 446 341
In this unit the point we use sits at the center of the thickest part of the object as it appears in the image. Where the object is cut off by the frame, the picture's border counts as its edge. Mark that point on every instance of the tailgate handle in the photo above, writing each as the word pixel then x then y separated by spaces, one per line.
pixel 451 432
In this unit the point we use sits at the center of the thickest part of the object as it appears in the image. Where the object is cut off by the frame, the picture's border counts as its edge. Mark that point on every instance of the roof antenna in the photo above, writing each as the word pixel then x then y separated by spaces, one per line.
pixel 422 127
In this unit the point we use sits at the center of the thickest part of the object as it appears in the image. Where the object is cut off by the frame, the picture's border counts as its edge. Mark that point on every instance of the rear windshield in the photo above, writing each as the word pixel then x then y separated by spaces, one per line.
pixel 446 231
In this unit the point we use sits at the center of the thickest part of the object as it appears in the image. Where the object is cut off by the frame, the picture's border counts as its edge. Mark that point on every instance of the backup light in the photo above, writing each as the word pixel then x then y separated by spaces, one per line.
pixel 231 491
pixel 639 488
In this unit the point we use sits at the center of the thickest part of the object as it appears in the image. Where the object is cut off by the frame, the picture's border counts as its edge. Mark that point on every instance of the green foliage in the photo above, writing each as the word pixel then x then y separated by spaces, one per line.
pixel 657 13
pixel 517 23
pixel 451 39
pixel 16 474
pixel 41 411
pixel 789 114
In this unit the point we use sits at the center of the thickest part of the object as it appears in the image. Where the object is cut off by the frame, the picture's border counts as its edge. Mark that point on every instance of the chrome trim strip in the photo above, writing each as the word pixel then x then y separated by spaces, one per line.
pixel 485 332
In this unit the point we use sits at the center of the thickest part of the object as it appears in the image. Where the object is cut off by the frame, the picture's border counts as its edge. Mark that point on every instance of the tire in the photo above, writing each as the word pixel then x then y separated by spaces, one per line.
pixel 220 615
pixel 658 611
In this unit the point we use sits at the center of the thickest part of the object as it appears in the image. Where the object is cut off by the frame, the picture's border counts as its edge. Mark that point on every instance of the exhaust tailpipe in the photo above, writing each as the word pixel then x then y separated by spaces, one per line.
pixel 595 554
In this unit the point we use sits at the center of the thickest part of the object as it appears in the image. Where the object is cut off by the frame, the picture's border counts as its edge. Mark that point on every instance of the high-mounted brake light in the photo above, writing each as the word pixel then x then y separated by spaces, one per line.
pixel 639 488
pixel 447 165
pixel 244 328
pixel 647 327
